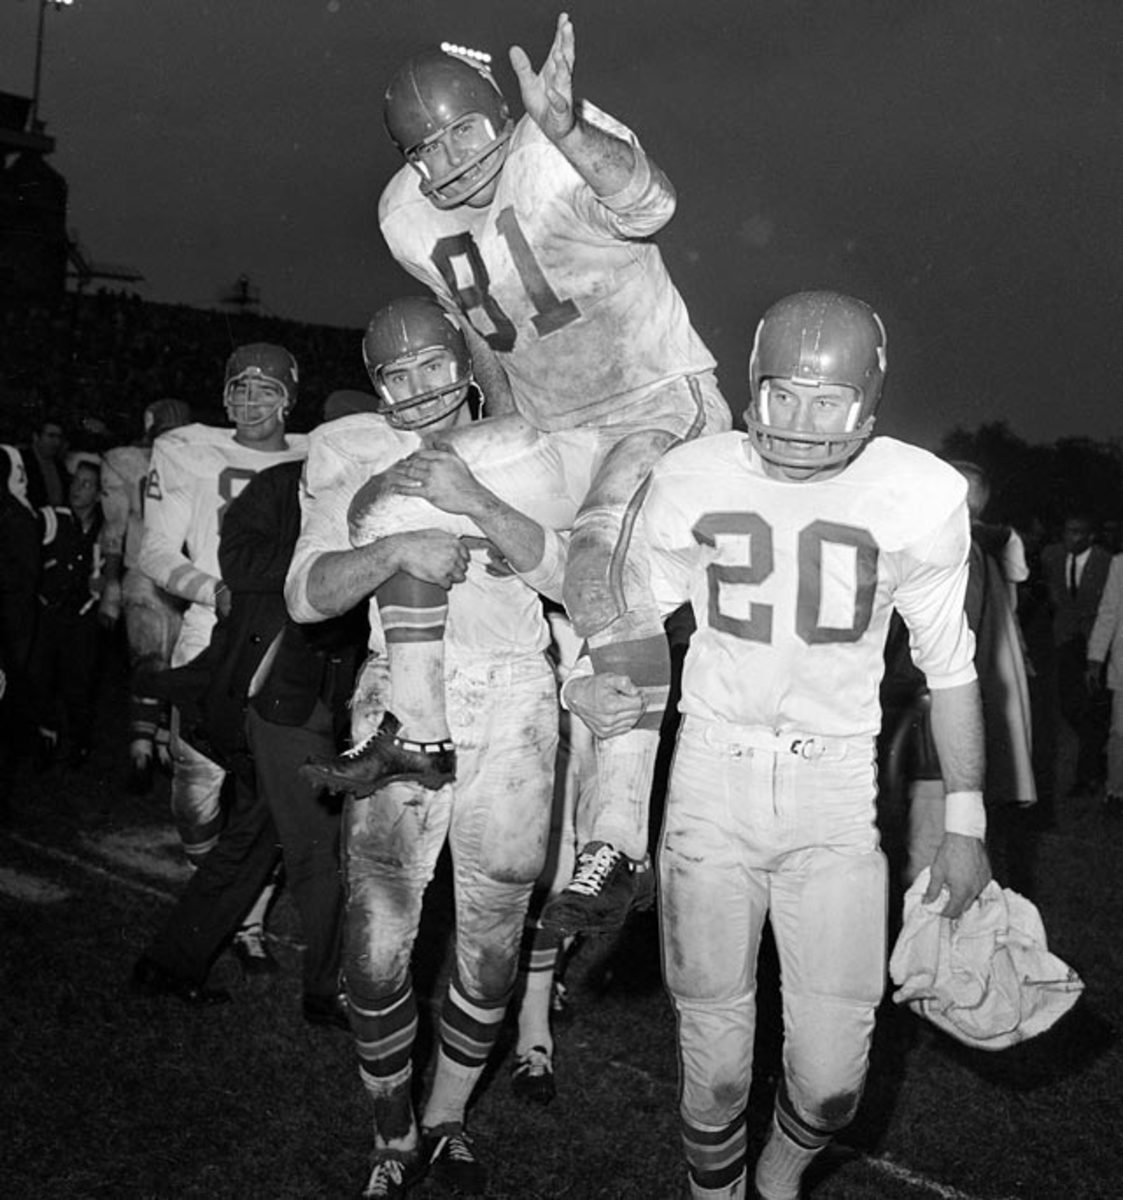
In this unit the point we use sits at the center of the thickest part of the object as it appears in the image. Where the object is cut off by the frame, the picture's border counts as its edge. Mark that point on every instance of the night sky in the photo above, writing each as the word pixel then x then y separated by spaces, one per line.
pixel 959 164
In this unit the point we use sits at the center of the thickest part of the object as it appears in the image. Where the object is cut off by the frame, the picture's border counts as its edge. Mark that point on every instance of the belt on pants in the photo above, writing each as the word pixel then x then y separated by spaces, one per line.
pixel 734 739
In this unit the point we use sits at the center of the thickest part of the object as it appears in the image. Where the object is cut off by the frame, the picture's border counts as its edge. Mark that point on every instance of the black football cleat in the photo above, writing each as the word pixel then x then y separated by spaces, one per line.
pixel 151 979
pixel 384 758
pixel 599 896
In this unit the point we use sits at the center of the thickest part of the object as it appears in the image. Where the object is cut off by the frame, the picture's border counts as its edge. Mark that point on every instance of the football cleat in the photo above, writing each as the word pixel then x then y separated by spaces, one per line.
pixel 384 758
pixel 451 1157
pixel 599 896
pixel 532 1078
pixel 252 953
pixel 391 1177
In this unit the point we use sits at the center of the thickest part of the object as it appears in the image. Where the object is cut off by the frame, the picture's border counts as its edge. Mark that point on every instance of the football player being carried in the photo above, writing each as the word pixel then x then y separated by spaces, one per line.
pixel 152 617
pixel 794 544
pixel 538 234
pixel 503 711
pixel 196 471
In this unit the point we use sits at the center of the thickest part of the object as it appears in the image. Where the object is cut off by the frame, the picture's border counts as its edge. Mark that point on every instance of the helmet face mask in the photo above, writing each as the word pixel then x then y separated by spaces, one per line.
pixel 261 384
pixel 418 362
pixel 821 341
pixel 450 121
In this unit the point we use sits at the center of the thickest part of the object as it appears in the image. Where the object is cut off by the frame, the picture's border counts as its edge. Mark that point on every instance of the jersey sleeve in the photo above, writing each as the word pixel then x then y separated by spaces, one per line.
pixel 643 206
pixel 328 482
pixel 115 509
pixel 167 525
pixel 673 551
pixel 931 597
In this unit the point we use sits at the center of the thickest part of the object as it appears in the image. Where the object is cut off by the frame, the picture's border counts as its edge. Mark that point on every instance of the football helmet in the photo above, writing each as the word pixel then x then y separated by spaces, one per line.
pixel 162 415
pixel 434 89
pixel 817 338
pixel 403 329
pixel 265 363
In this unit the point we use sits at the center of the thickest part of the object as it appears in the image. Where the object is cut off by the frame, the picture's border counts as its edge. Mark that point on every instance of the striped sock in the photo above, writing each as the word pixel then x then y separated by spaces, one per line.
pixel 468 1030
pixel 716 1158
pixel 537 962
pixel 385 1028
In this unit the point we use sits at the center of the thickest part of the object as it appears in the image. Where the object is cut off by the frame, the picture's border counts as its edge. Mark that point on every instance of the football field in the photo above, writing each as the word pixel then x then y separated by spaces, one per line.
pixel 107 1095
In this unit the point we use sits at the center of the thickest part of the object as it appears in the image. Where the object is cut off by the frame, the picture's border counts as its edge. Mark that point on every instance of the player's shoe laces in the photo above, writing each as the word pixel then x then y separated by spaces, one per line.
pixel 251 951
pixel 533 1076
pixel 391 1177
pixel 451 1156
pixel 382 758
pixel 598 897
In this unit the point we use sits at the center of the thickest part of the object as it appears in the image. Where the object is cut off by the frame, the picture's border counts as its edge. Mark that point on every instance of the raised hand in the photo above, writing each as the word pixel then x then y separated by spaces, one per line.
pixel 548 94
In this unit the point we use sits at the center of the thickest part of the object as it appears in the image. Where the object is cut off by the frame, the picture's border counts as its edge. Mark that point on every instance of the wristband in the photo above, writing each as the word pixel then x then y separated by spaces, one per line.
pixel 964 813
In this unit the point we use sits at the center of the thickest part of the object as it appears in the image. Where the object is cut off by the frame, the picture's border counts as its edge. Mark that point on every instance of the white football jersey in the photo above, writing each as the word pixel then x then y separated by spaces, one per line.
pixel 793 582
pixel 195 472
pixel 124 482
pixel 567 288
pixel 487 616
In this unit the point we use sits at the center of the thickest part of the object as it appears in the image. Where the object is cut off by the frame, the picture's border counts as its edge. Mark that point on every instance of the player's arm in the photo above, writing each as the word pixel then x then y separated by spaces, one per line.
pixel 167 525
pixel 328 576
pixel 606 162
pixel 488 372
pixel 440 476
pixel 930 598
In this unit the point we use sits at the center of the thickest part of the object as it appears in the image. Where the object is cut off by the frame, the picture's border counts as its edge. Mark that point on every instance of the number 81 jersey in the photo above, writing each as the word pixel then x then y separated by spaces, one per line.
pixel 793 582
pixel 565 287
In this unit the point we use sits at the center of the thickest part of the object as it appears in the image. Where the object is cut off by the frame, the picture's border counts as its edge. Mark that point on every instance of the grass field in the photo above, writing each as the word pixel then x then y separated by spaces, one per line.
pixel 106 1095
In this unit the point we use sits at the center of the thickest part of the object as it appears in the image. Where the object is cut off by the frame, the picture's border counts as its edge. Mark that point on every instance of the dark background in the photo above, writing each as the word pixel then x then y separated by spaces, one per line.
pixel 958 164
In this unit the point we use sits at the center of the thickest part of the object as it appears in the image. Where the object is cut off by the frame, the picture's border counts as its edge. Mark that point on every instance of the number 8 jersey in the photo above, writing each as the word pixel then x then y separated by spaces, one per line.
pixel 564 286
pixel 793 582
pixel 196 471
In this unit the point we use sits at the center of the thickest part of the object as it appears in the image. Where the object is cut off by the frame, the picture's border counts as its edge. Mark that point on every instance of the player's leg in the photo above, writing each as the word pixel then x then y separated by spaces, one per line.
pixel 152 624
pixel 390 844
pixel 541 955
pixel 505 719
pixel 713 905
pixel 608 596
pixel 829 916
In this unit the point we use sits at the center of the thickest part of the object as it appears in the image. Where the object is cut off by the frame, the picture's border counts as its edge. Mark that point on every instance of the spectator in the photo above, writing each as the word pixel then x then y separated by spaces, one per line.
pixel 64 658
pixel 19 606
pixel 47 478
pixel 1075 571
pixel 1105 645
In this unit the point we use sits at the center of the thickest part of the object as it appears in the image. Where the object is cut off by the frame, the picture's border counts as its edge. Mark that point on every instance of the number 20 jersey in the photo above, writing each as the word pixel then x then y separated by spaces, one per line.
pixel 793 582
pixel 565 287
